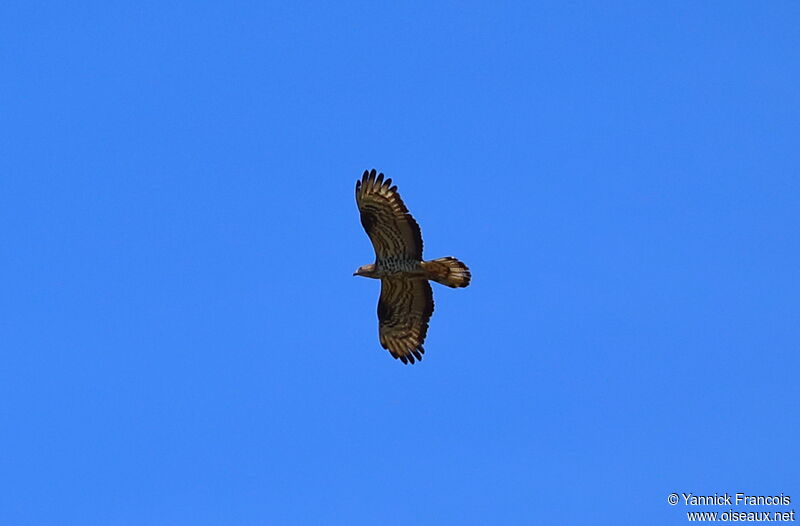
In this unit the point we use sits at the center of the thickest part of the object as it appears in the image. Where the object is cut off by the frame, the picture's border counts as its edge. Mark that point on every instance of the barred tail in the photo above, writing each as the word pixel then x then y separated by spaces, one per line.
pixel 447 271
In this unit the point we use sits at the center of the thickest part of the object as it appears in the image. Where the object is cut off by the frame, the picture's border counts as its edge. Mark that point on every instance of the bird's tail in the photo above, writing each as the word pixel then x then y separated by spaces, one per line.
pixel 447 271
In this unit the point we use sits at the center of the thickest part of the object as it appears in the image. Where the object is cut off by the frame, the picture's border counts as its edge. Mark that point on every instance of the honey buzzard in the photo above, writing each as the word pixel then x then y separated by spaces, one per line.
pixel 406 301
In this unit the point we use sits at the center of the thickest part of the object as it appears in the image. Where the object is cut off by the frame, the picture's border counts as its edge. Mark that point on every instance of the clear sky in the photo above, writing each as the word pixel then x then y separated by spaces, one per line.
pixel 183 341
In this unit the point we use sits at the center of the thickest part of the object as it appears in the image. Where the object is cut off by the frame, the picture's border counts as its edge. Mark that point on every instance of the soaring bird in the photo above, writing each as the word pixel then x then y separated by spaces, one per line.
pixel 406 302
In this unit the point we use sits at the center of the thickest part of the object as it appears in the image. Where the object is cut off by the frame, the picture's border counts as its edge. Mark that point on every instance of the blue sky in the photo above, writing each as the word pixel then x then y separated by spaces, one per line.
pixel 183 339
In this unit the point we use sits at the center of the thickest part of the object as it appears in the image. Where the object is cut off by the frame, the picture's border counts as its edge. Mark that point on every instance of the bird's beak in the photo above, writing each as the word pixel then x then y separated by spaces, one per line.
pixel 355 273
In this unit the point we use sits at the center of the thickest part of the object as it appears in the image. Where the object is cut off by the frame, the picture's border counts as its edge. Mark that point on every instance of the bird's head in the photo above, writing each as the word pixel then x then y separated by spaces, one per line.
pixel 368 271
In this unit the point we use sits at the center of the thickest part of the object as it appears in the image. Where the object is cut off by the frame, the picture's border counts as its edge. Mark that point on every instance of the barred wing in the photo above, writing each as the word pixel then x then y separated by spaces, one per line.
pixel 389 225
pixel 404 308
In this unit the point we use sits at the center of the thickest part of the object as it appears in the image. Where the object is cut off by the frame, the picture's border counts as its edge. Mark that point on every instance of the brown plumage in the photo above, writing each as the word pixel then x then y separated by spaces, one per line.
pixel 406 302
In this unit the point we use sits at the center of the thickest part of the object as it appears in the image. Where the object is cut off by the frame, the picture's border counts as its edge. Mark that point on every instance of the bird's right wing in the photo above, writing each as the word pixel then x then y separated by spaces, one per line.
pixel 404 309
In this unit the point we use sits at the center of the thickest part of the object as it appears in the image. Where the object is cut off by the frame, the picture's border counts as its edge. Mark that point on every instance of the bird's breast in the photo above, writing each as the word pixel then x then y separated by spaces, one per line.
pixel 396 265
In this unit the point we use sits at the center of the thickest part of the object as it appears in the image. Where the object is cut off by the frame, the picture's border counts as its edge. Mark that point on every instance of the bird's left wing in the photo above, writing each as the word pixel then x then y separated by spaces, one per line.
pixel 404 309
pixel 389 225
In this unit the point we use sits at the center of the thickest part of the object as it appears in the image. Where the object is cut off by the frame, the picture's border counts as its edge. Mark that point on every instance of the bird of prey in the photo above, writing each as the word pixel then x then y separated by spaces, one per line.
pixel 406 301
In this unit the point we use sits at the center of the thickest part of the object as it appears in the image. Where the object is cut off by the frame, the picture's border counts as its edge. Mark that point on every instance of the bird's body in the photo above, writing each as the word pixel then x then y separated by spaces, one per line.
pixel 406 302
pixel 393 267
